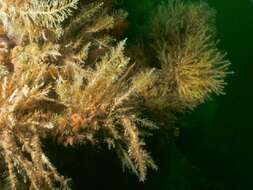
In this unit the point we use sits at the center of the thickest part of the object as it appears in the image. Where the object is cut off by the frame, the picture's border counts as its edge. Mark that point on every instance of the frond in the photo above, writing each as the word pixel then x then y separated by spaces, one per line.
pixel 82 18
pixel 49 13
pixel 103 23
pixel 144 80
pixel 35 19
pixel 192 68
pixel 20 128
pixel 136 157
pixel 106 101
pixel 35 54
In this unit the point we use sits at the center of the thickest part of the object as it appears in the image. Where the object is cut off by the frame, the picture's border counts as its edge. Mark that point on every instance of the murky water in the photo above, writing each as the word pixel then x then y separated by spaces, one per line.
pixel 214 149
pixel 215 146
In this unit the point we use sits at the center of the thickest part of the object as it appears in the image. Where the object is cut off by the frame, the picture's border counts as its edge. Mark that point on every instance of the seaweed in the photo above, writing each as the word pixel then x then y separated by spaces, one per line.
pixel 65 75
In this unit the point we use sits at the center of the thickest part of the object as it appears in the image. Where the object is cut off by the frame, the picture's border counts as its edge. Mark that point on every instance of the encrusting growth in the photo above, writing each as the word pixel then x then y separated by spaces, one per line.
pixel 63 76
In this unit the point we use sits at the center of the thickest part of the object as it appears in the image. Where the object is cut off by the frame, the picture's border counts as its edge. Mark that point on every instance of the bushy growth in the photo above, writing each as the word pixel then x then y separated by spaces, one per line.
pixel 64 76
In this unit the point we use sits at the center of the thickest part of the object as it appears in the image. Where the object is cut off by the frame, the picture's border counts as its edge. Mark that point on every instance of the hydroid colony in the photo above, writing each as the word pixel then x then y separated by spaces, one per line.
pixel 63 76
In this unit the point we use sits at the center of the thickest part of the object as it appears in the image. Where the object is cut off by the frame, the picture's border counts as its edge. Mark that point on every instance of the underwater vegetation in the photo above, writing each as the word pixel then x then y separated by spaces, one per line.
pixel 66 76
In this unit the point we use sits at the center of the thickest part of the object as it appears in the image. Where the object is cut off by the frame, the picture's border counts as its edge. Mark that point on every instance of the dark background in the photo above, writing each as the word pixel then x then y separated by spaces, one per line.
pixel 215 146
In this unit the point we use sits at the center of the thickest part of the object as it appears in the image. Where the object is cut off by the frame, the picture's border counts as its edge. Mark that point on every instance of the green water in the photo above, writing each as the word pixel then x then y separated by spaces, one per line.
pixel 214 150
